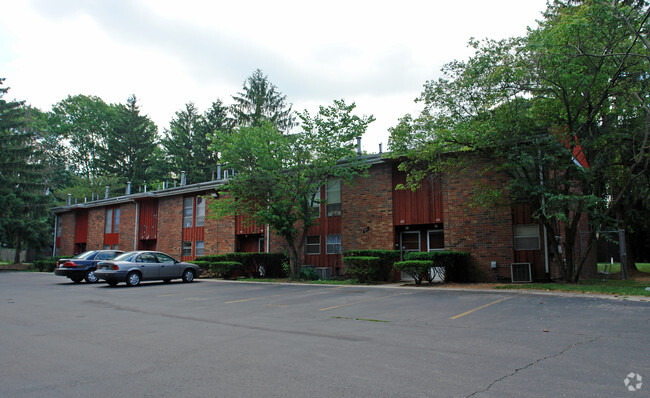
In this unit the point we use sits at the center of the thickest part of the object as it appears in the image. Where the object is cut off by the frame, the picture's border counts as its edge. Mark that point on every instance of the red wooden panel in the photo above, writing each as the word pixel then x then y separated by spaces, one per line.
pixel 148 220
pixel 111 239
pixel 422 206
pixel 81 227
pixel 243 226
pixel 193 234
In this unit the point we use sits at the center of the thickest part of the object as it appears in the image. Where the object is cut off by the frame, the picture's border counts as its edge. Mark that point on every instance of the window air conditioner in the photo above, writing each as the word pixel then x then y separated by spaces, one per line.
pixel 520 272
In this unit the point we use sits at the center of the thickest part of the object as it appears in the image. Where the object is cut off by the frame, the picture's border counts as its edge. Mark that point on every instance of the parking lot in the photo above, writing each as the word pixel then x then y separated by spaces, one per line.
pixel 234 339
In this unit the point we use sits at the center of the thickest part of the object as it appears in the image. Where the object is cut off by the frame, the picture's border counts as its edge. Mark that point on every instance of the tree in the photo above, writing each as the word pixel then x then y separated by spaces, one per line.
pixel 131 143
pixel 277 175
pixel 560 111
pixel 82 124
pixel 24 205
pixel 187 145
pixel 260 102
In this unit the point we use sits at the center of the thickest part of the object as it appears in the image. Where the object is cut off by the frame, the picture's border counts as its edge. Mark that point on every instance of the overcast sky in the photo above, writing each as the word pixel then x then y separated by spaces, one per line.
pixel 377 54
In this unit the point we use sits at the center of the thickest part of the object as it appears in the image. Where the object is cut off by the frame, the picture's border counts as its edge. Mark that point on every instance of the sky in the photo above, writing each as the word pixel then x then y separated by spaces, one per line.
pixel 377 54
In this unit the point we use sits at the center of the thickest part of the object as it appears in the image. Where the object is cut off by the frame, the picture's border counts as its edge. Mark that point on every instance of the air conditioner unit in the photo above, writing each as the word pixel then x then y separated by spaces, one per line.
pixel 323 272
pixel 520 272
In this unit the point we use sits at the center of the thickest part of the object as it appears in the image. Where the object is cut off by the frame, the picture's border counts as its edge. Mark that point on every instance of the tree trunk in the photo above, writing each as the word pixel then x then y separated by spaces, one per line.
pixel 19 247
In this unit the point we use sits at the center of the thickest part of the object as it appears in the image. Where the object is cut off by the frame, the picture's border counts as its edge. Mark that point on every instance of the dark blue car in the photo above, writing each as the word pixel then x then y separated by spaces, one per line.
pixel 83 266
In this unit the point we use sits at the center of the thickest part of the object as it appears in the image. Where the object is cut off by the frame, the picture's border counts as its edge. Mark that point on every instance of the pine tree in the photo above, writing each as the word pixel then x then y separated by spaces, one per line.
pixel 261 102
pixel 23 203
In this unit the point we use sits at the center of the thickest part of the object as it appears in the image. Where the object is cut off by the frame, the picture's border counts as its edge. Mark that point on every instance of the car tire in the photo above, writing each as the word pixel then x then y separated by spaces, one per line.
pixel 133 279
pixel 188 275
pixel 77 279
pixel 90 277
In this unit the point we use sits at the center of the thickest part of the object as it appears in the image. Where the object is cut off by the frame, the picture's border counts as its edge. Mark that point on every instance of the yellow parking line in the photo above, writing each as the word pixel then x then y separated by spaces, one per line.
pixel 480 308
pixel 275 295
pixel 362 301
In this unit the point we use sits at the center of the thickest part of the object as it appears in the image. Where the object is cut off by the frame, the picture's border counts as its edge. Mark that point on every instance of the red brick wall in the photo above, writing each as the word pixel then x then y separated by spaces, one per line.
pixel 210 230
pixel 170 225
pixel 127 226
pixel 484 231
pixel 67 221
pixel 368 204
pixel 96 223
pixel 225 235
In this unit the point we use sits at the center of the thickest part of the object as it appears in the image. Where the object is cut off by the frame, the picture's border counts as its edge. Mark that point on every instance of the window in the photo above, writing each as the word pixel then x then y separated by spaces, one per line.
pixel 435 240
pixel 199 248
pixel 312 246
pixel 200 212
pixel 333 195
pixel 165 259
pixel 188 212
pixel 109 221
pixel 116 221
pixel 333 244
pixel 527 237
pixel 315 202
pixel 187 249
pixel 410 241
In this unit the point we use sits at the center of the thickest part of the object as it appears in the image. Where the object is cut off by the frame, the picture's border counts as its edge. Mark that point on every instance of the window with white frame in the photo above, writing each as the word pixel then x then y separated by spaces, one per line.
pixel 188 212
pixel 333 195
pixel 186 249
pixel 199 248
pixel 333 244
pixel 312 246
pixel 527 237
pixel 200 212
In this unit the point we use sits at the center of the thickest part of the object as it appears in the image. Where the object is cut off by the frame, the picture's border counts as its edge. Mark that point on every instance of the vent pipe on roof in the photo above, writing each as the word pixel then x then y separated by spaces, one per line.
pixel 183 181
pixel 380 148
pixel 106 194
pixel 85 199
pixel 92 197
pixel 218 172
pixel 128 188
pixel 69 199
pixel 145 188
pixel 358 146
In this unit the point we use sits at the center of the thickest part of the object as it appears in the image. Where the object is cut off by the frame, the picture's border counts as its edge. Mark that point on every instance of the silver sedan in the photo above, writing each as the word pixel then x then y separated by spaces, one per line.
pixel 136 266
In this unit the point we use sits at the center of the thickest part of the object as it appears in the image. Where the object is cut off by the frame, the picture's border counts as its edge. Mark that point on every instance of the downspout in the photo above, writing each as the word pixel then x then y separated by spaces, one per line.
pixel 268 238
pixel 137 222
pixel 56 226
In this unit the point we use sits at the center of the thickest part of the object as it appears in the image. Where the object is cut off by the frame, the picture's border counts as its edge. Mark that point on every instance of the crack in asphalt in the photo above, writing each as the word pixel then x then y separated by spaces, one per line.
pixel 105 304
pixel 533 364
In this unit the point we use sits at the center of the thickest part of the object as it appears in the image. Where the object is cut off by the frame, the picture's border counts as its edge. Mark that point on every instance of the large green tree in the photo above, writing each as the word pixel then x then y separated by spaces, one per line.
pixel 562 111
pixel 82 123
pixel 131 143
pixel 261 102
pixel 24 221
pixel 277 175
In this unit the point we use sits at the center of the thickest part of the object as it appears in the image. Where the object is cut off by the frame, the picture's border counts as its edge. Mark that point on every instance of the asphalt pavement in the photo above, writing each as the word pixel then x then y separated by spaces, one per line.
pixel 236 339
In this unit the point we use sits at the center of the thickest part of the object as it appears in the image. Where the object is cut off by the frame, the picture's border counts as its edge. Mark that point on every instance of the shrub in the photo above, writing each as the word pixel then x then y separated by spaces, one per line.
pixel 363 268
pixel 456 264
pixel 226 269
pixel 386 260
pixel 416 269
pixel 252 264
pixel 307 274
pixel 205 265
pixel 47 264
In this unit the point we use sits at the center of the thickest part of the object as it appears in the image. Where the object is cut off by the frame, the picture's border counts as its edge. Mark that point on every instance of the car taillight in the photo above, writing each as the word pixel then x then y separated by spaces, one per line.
pixel 69 264
pixel 115 267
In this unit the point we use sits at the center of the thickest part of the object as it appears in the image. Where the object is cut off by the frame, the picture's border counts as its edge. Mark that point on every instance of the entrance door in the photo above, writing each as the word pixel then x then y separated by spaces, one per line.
pixel 409 241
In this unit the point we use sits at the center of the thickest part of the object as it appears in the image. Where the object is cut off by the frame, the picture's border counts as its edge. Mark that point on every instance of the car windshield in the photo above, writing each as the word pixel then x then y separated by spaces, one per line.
pixel 85 255
pixel 128 256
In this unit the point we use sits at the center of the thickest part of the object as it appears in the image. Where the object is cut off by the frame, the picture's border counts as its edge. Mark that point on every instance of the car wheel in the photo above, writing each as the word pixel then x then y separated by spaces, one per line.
pixel 112 283
pixel 77 279
pixel 188 275
pixel 133 279
pixel 90 277
pixel 167 280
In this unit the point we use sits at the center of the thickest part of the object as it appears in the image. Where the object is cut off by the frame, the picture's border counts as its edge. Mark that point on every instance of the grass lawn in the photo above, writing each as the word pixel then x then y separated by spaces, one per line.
pixel 616 267
pixel 628 287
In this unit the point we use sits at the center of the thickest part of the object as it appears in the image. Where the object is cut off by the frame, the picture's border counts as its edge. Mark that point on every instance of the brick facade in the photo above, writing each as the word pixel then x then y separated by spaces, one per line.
pixel 127 226
pixel 96 223
pixel 367 205
pixel 67 221
pixel 170 225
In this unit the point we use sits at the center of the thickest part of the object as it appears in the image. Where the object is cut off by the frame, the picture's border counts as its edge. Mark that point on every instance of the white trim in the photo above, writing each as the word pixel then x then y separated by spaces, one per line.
pixel 429 231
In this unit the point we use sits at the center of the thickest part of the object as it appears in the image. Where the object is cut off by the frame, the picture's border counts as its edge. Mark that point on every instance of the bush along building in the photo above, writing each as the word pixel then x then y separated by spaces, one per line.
pixel 504 242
